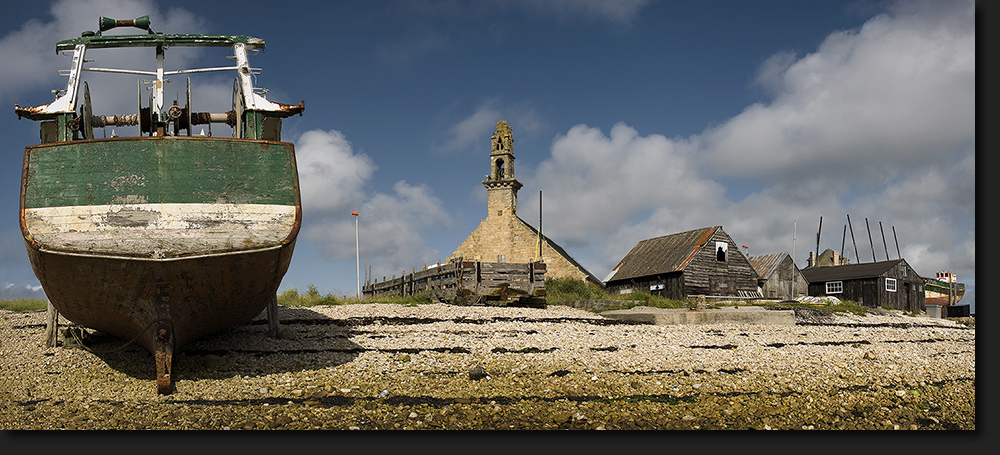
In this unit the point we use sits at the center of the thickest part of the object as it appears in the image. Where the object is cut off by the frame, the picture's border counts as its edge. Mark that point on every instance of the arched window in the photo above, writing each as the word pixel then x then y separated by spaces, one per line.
pixel 499 169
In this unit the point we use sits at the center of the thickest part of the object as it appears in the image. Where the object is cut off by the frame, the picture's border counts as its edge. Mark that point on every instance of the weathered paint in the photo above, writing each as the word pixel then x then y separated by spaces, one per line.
pixel 159 170
pixel 160 230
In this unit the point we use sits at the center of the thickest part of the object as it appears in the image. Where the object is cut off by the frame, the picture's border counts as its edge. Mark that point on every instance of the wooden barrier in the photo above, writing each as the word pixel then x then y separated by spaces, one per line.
pixel 470 282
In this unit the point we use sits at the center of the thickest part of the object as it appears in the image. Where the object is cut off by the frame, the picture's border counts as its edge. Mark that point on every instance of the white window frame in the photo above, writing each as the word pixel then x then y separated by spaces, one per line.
pixel 890 284
pixel 724 246
pixel 834 287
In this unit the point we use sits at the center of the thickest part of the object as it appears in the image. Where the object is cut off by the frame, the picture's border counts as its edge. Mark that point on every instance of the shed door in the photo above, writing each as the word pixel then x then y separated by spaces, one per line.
pixel 722 285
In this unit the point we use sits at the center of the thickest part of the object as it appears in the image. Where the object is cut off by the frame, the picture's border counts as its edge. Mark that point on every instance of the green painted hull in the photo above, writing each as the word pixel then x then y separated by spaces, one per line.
pixel 161 170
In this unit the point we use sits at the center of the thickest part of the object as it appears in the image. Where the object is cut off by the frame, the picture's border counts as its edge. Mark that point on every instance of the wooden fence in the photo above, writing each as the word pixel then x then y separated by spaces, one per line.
pixel 470 283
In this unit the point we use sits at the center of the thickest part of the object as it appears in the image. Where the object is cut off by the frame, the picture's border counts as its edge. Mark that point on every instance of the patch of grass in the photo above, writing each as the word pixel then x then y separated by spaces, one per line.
pixel 567 289
pixel 292 298
pixel 24 305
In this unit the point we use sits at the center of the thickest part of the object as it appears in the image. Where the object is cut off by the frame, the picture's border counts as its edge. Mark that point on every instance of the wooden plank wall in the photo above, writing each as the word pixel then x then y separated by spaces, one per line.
pixel 460 278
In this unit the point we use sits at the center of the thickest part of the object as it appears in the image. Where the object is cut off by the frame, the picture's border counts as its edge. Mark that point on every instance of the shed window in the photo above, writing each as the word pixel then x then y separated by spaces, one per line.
pixel 890 284
pixel 902 270
pixel 834 287
pixel 720 251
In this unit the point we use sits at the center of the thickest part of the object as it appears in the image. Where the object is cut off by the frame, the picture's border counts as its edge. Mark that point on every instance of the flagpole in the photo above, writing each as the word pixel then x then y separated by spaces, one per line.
pixel 357 248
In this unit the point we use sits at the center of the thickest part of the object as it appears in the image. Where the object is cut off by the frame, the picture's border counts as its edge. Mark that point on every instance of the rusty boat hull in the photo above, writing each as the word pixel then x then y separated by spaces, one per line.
pixel 160 240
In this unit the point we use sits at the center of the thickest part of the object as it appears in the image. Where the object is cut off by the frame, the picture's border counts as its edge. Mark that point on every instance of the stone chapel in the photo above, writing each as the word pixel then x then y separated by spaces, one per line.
pixel 505 237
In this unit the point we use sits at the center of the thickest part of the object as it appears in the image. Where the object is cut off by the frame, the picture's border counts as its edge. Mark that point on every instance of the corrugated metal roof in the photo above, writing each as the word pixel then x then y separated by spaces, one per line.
pixel 766 264
pixel 669 253
pixel 849 271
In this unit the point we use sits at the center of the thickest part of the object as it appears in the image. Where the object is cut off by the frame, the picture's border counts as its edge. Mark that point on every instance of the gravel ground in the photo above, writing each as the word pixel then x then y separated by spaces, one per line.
pixel 386 366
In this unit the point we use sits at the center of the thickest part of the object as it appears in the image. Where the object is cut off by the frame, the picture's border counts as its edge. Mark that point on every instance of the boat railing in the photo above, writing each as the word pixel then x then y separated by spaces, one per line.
pixel 70 117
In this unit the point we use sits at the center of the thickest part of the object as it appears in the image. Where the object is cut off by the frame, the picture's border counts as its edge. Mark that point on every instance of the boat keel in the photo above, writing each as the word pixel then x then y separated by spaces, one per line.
pixel 164 359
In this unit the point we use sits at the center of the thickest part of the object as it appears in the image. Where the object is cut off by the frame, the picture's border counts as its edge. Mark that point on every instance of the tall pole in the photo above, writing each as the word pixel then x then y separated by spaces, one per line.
pixel 843 241
pixel 853 241
pixel 897 242
pixel 870 242
pixel 357 249
pixel 795 226
pixel 539 225
pixel 884 245
pixel 817 237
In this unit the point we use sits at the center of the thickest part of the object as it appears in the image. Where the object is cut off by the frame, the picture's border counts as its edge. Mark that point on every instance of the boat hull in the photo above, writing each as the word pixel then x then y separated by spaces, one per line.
pixel 160 240
pixel 938 292
pixel 123 296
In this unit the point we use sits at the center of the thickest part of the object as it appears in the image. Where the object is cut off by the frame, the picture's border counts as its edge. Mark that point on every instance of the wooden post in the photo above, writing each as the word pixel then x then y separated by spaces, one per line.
pixel 51 325
pixel 272 317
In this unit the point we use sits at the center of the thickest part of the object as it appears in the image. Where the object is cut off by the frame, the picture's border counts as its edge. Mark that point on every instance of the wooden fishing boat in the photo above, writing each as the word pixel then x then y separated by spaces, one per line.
pixel 166 236
pixel 944 289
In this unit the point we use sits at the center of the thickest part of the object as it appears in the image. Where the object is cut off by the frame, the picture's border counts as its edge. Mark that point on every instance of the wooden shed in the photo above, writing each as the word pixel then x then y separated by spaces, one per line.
pixel 889 284
pixel 778 277
pixel 702 261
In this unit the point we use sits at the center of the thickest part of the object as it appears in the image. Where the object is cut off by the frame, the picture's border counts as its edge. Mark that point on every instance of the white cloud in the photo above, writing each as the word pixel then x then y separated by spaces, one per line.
pixel 331 175
pixel 332 180
pixel 473 132
pixel 877 102
pixel 603 193
pixel 33 45
pixel 11 291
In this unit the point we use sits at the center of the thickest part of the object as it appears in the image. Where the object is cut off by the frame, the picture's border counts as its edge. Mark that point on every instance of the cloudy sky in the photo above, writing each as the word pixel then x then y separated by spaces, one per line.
pixel 631 118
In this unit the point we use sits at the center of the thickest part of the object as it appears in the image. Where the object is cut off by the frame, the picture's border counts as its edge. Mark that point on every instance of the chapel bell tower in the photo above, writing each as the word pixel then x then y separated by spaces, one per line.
pixel 501 186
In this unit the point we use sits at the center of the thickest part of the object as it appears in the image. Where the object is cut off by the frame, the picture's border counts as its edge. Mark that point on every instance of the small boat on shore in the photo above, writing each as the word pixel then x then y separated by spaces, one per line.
pixel 165 236
pixel 944 289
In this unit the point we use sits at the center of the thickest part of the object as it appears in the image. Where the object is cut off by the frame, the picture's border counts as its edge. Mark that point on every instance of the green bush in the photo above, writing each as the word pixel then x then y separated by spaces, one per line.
pixel 312 297
pixel 312 290
pixel 565 288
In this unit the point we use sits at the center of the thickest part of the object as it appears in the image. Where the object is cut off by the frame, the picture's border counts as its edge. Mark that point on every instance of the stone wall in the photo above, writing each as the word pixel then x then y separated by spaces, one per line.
pixel 507 238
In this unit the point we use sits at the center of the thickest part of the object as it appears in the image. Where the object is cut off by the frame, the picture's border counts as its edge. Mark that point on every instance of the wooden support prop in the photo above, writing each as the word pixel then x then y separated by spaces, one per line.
pixel 51 325
pixel 272 317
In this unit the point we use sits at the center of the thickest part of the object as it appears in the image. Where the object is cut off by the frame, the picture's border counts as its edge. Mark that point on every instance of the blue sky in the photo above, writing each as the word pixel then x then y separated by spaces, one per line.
pixel 634 119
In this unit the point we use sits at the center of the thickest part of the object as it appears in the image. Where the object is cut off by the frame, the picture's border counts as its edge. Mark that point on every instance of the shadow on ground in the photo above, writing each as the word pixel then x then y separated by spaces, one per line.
pixel 306 340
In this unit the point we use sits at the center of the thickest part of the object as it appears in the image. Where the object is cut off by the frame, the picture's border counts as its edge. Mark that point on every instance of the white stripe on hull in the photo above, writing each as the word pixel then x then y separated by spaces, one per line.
pixel 159 230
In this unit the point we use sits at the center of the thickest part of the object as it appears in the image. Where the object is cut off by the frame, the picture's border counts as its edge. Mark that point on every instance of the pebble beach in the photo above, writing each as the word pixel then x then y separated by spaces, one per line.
pixel 450 367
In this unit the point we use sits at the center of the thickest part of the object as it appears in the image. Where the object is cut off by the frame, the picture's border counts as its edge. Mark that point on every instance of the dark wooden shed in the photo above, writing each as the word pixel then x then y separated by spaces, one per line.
pixel 884 284
pixel 702 261
pixel 778 277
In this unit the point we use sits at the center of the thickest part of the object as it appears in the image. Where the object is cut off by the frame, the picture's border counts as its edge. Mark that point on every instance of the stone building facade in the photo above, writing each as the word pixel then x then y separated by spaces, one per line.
pixel 505 237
